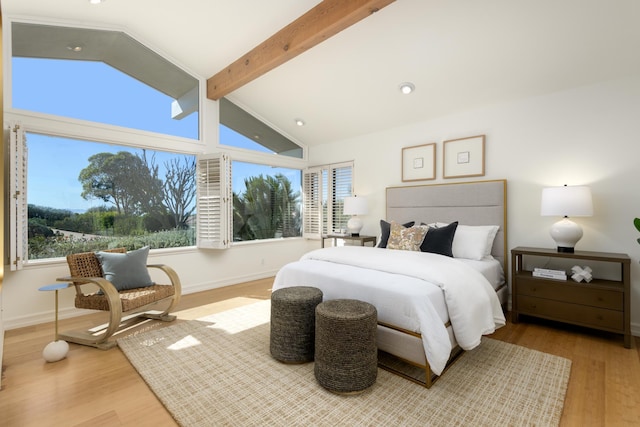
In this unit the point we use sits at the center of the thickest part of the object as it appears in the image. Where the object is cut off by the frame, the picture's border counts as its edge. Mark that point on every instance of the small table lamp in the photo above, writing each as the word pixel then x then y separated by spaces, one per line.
pixel 566 201
pixel 355 206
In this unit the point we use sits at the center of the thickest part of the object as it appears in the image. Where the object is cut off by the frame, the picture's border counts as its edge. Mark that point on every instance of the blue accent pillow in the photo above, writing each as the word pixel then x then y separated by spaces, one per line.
pixel 126 271
pixel 440 240
pixel 385 228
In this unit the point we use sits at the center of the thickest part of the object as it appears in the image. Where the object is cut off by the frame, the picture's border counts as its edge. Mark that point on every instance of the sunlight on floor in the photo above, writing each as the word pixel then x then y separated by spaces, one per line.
pixel 241 318
pixel 215 307
pixel 186 342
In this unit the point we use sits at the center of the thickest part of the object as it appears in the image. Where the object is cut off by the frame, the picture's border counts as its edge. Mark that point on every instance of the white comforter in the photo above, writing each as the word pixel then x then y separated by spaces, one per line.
pixel 472 304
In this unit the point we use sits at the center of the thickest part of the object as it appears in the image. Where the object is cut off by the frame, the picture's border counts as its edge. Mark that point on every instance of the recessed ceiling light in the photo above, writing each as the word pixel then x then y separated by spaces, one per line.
pixel 96 1
pixel 407 88
pixel 299 122
pixel 75 47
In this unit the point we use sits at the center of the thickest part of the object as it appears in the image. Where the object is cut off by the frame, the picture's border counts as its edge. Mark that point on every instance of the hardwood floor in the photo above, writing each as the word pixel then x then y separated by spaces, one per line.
pixel 100 388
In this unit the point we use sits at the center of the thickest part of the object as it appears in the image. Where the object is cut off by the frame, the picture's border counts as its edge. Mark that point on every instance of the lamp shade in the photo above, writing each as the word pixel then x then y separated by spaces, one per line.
pixel 355 206
pixel 566 201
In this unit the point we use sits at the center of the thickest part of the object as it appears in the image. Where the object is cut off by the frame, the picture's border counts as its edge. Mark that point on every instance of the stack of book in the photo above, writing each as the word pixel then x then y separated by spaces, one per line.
pixel 549 274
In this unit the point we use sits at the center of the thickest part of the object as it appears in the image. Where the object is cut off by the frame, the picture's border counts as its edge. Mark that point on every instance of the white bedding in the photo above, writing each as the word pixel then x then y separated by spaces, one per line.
pixel 407 289
pixel 490 269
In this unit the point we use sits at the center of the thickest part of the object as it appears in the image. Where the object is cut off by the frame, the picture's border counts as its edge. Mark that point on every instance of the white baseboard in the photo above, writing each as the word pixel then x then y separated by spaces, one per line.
pixel 69 312
pixel 635 329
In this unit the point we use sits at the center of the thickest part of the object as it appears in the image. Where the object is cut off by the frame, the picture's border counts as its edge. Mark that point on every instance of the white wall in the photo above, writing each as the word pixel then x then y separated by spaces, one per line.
pixel 583 136
pixel 24 305
pixel 588 135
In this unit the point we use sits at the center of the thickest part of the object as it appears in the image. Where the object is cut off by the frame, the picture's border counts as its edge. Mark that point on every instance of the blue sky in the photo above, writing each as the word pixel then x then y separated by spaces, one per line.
pixel 95 91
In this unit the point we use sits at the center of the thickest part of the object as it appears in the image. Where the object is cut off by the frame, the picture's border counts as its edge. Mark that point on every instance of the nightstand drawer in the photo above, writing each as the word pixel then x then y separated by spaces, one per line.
pixel 572 313
pixel 568 292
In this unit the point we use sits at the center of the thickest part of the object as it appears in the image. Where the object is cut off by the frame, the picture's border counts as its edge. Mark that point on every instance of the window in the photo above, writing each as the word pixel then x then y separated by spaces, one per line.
pixel 263 197
pixel 111 104
pixel 260 202
pixel 266 202
pixel 101 196
pixel 324 190
pixel 79 182
pixel 240 129
pixel 101 76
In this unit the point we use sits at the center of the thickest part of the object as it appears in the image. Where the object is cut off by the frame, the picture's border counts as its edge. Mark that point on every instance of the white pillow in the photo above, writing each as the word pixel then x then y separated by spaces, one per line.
pixel 473 241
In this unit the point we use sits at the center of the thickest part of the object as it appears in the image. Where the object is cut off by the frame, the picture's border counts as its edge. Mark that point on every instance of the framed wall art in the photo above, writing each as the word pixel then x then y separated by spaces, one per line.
pixel 463 157
pixel 419 162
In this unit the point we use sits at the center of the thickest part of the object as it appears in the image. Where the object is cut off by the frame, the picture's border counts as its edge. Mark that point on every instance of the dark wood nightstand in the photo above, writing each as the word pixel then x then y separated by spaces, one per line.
pixel 361 239
pixel 599 304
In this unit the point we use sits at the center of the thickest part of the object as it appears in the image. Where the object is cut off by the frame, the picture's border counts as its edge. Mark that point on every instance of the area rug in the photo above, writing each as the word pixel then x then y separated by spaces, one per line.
pixel 217 371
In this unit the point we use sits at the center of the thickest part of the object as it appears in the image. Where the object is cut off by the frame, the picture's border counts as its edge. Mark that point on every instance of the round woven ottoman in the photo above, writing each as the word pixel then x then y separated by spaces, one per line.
pixel 346 359
pixel 293 323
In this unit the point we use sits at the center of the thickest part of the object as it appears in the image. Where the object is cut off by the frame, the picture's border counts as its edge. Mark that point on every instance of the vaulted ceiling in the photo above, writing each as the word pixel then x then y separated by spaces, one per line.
pixel 460 54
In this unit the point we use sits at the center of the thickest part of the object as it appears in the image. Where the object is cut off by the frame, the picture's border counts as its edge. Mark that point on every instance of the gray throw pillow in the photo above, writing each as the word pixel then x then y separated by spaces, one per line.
pixel 126 271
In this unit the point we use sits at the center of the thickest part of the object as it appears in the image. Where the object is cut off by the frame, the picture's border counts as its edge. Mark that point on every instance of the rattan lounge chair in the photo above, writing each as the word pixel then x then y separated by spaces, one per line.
pixel 126 307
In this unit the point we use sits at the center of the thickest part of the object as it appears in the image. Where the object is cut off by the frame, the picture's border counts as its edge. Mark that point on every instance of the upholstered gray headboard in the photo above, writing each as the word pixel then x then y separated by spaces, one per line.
pixel 469 203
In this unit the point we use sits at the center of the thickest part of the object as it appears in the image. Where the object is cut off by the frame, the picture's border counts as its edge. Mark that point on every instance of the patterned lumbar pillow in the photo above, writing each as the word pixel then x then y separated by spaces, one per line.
pixel 385 230
pixel 408 239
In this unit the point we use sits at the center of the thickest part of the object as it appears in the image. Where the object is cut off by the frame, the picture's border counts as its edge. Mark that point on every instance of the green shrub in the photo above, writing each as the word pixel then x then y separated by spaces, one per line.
pixel 61 246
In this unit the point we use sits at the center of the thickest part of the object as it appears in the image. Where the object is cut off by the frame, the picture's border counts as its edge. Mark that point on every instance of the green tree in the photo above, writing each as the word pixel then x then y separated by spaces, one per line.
pixel 108 220
pixel 79 223
pixel 49 215
pixel 122 179
pixel 268 208
pixel 179 190
pixel 150 195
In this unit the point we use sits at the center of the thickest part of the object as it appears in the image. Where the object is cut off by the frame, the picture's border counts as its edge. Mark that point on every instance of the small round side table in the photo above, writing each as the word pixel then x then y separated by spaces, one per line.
pixel 57 349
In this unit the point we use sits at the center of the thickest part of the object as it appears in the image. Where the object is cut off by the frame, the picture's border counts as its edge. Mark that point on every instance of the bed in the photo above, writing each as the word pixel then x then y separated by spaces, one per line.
pixel 430 307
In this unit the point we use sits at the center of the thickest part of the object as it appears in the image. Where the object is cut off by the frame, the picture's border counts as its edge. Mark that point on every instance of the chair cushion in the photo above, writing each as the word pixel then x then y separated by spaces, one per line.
pixel 128 270
pixel 130 299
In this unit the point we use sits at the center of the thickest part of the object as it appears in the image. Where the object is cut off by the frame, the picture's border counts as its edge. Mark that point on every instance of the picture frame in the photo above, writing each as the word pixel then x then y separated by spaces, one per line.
pixel 419 162
pixel 463 157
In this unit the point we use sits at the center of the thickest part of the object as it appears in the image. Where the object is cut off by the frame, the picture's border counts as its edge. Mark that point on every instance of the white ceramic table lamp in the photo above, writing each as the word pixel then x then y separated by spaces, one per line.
pixel 566 201
pixel 355 206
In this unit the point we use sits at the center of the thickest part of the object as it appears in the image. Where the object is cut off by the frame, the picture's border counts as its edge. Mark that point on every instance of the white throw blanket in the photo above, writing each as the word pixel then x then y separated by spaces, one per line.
pixel 473 306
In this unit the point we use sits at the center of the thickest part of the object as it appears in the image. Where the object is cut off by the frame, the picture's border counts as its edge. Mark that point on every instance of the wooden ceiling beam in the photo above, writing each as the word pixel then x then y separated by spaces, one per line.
pixel 326 19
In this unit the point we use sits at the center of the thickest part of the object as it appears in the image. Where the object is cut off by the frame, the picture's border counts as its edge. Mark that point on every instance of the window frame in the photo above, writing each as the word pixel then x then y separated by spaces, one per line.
pixel 73 128
pixel 30 122
pixel 130 37
pixel 248 156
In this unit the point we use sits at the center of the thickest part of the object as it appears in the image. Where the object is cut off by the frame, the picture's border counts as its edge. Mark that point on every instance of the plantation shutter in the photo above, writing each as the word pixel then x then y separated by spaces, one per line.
pixel 324 190
pixel 342 186
pixel 312 203
pixel 214 217
pixel 18 232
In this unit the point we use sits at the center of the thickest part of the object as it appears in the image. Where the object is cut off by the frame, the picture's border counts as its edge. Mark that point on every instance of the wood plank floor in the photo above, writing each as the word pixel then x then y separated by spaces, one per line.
pixel 100 388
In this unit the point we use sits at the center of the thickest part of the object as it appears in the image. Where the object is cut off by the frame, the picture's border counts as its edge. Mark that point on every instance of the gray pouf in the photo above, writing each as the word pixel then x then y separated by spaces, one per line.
pixel 346 359
pixel 293 323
